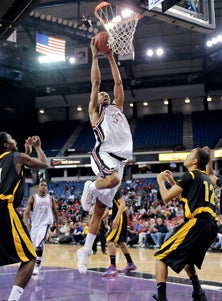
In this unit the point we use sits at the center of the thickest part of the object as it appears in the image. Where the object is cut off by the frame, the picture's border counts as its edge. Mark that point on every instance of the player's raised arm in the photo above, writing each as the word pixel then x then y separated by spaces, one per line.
pixel 118 85
pixel 95 79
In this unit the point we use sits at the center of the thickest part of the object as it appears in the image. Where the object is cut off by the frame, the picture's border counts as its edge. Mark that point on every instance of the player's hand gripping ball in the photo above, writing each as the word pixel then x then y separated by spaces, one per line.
pixel 101 42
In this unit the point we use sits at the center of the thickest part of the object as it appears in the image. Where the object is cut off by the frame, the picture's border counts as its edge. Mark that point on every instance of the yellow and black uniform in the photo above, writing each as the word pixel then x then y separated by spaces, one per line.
pixel 15 242
pixel 190 241
pixel 118 234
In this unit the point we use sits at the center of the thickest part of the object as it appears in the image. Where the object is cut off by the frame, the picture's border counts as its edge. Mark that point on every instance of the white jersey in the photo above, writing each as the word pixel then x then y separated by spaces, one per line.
pixel 42 211
pixel 112 133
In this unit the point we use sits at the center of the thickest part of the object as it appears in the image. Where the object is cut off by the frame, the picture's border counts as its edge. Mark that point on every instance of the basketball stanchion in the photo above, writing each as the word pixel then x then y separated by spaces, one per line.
pixel 120 23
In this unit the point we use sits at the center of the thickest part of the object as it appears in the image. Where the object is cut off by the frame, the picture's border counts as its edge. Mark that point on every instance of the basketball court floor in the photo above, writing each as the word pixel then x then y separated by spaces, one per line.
pixel 60 279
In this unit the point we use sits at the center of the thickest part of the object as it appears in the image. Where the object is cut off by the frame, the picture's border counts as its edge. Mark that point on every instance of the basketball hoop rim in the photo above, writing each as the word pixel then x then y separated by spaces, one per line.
pixel 103 4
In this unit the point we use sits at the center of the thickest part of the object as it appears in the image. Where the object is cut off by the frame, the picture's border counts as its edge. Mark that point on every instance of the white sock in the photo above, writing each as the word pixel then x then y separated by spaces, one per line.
pixel 16 293
pixel 39 258
pixel 89 240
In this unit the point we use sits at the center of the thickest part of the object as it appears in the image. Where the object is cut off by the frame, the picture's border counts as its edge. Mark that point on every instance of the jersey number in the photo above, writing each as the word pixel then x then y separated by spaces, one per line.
pixel 209 193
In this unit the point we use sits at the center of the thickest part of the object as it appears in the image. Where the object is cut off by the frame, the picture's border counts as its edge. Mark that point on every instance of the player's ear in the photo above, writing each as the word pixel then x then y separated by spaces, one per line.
pixel 6 145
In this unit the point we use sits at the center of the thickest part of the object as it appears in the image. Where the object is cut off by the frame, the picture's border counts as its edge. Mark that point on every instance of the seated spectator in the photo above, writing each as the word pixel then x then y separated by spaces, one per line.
pixel 218 241
pixel 84 233
pixel 133 232
pixel 76 235
pixel 148 239
pixel 66 231
pixel 159 231
pixel 142 234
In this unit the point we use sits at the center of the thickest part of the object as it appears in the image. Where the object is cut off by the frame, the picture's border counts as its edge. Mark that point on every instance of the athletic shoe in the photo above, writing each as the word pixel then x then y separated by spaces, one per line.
pixel 110 272
pixel 156 298
pixel 87 197
pixel 130 267
pixel 199 296
pixel 37 267
pixel 83 257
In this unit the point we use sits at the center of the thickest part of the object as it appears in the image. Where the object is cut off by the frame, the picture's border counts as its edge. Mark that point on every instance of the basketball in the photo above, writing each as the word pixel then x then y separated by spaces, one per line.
pixel 101 42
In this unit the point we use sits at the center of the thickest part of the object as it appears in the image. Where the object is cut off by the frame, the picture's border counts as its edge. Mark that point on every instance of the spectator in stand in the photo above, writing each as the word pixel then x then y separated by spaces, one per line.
pixel 76 235
pixel 179 210
pixel 217 245
pixel 67 230
pixel 133 233
pixel 159 231
pixel 142 234
pixel 84 233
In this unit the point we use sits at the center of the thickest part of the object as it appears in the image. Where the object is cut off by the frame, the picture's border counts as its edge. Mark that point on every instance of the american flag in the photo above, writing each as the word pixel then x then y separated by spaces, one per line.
pixel 50 45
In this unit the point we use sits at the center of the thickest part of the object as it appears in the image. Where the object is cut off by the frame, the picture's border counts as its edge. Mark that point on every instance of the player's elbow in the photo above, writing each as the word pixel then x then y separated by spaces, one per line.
pixel 95 83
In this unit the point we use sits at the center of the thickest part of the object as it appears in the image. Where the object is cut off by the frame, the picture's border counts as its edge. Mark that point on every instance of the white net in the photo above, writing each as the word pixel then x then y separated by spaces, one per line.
pixel 120 24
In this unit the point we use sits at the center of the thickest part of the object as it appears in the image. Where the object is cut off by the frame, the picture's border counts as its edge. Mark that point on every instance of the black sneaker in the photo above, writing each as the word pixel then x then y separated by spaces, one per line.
pixel 156 298
pixel 199 296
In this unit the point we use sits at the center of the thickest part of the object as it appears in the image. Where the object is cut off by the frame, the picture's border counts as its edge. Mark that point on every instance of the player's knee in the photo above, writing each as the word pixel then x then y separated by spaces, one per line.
pixel 121 244
pixel 110 243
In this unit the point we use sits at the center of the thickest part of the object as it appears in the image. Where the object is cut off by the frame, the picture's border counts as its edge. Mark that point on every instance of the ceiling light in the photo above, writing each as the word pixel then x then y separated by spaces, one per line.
pixel 95 30
pixel 145 103
pixel 72 60
pixel 75 24
pixel 90 29
pixel 59 20
pixel 41 111
pixel 79 108
pixel 187 100
pixel 65 22
pixel 159 51
pixel 70 23
pixel 219 38
pixel 149 52
pixel 42 17
pixel 166 101
pixel 131 104
pixel 48 18
pixel 37 14
pixel 209 44
pixel 209 98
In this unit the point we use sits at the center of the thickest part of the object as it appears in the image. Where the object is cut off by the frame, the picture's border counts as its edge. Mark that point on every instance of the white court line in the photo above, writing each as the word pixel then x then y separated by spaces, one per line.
pixel 43 270
pixel 211 287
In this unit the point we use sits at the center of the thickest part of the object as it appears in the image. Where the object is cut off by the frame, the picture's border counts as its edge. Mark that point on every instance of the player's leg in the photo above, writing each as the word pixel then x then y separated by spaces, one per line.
pixel 109 181
pixel 111 270
pixel 126 252
pixel 198 293
pixel 94 224
pixel 22 278
pixel 161 272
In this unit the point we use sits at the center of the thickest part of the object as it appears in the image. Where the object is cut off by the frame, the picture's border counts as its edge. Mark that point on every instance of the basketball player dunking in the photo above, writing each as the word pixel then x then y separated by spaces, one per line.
pixel 113 145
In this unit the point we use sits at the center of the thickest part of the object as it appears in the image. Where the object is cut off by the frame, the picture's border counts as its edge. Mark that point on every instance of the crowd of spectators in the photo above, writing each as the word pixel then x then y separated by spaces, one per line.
pixel 150 221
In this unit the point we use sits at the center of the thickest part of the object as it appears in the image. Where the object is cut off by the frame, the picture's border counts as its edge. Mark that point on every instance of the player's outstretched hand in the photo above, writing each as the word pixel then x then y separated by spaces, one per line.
pixel 36 141
pixel 28 145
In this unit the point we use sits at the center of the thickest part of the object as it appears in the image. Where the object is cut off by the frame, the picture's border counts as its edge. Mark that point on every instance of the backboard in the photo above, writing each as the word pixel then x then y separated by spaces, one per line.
pixel 198 15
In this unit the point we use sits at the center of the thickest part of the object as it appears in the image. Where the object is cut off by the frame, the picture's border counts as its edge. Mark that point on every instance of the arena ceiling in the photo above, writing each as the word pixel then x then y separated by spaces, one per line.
pixel 186 61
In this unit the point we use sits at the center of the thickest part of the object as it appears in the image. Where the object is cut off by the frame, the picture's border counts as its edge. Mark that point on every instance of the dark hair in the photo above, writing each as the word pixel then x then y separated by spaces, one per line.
pixel 3 139
pixel 203 158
